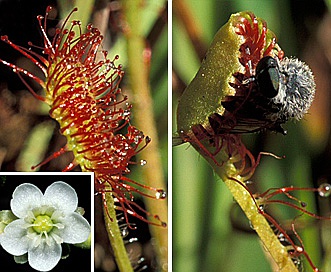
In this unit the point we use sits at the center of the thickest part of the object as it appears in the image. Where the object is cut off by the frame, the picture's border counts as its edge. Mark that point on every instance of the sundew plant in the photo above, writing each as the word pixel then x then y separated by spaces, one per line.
pixel 221 132
pixel 81 83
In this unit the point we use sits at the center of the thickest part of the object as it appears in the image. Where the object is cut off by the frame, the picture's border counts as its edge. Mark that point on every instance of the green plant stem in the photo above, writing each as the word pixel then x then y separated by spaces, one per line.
pixel 115 236
pixel 258 222
pixel 144 120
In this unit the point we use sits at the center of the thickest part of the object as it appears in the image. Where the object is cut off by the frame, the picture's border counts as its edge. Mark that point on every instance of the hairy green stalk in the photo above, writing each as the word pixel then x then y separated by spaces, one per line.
pixel 115 236
pixel 229 174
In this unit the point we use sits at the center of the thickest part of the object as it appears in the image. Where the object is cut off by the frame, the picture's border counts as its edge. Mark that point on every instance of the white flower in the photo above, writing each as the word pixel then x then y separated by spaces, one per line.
pixel 44 222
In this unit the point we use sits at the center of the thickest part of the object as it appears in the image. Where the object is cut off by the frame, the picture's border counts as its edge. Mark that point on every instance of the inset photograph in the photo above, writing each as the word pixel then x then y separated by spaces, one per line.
pixel 46 221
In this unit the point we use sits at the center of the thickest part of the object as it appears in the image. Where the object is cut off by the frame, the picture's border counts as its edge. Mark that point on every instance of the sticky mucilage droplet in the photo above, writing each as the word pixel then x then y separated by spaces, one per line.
pixel 324 190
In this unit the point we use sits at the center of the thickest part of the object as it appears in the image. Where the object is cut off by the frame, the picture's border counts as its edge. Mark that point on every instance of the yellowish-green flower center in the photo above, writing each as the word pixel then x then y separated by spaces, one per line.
pixel 43 223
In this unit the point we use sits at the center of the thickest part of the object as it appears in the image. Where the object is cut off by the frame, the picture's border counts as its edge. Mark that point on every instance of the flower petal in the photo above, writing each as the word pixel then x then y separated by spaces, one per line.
pixel 14 239
pixel 45 257
pixel 62 196
pixel 25 197
pixel 77 229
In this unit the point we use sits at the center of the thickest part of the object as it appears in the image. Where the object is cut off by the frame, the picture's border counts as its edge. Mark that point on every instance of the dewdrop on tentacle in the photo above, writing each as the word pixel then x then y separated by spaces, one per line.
pixel 324 190
pixel 82 90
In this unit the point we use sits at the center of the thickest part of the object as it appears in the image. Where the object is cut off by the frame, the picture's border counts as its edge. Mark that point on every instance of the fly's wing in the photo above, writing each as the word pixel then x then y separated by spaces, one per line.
pixel 247 114
pixel 224 125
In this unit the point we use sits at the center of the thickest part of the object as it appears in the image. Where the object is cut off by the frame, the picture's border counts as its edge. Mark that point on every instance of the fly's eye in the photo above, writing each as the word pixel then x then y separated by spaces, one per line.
pixel 268 77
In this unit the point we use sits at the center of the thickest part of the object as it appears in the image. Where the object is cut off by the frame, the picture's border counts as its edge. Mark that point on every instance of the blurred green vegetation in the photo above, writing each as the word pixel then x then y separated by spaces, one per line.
pixel 208 233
